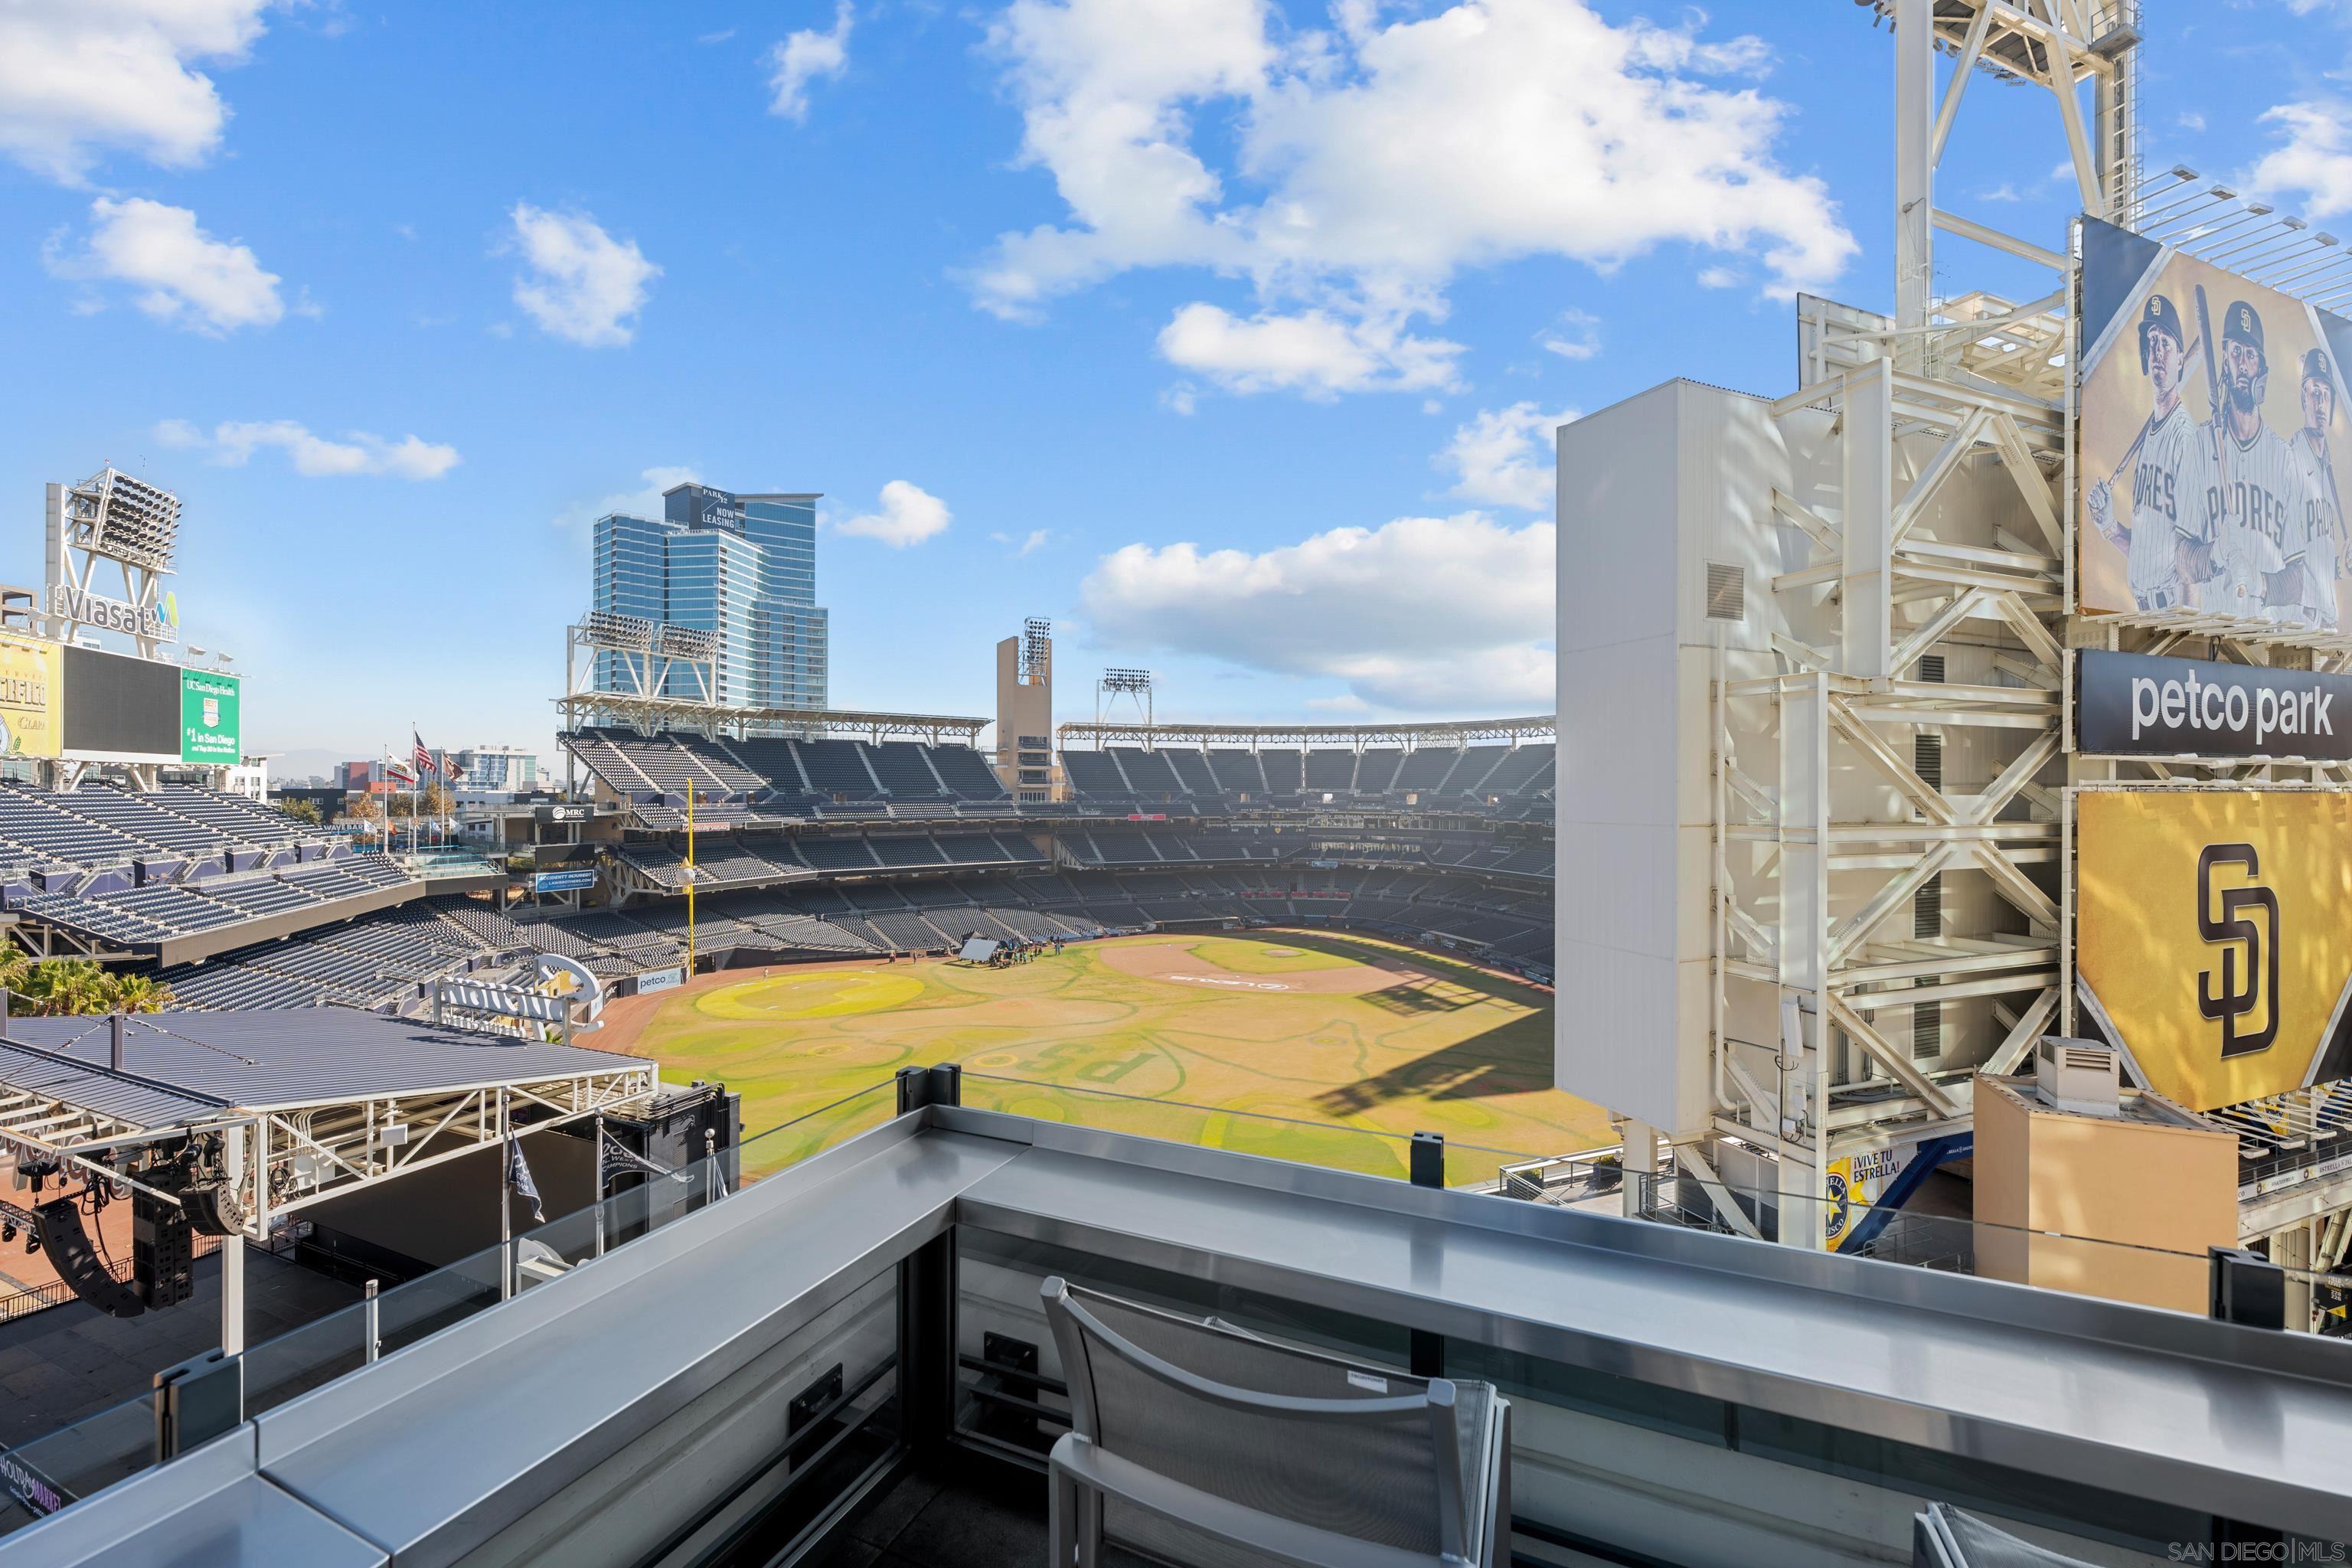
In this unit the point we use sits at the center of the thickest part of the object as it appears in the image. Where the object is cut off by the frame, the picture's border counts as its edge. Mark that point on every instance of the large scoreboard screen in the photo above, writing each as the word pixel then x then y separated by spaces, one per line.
pixel 117 706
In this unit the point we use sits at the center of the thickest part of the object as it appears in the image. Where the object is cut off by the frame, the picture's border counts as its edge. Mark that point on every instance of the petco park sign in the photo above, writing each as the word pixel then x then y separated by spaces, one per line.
pixel 81 608
pixel 2129 704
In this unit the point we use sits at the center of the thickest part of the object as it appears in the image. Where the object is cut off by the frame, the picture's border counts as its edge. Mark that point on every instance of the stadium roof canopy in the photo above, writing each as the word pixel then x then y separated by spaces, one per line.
pixel 648 714
pixel 1426 732
pixel 333 1096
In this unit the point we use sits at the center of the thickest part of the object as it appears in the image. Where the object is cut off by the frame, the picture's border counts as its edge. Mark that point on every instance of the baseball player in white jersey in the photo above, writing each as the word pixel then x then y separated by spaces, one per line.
pixel 2322 541
pixel 2171 476
pixel 2259 490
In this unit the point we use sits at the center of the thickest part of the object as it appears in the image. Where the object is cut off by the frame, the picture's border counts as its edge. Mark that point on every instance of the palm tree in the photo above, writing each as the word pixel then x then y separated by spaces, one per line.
pixel 59 987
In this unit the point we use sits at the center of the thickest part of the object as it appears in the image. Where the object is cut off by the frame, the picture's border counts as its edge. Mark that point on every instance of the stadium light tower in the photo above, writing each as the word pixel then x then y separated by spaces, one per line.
pixel 125 523
pixel 1135 686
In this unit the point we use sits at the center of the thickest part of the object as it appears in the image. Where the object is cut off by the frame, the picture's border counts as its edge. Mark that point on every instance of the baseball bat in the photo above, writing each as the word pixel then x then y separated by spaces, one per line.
pixel 2213 372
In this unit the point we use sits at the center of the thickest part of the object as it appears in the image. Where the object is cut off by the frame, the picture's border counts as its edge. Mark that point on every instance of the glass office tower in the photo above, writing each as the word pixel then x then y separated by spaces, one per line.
pixel 742 566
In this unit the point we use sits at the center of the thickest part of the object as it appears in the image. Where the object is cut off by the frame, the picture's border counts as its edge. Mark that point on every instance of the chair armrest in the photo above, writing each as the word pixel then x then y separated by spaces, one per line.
pixel 1285 1540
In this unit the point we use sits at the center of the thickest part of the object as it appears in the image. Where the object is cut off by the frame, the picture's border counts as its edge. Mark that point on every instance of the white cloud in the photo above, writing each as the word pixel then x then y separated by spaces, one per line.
pixel 1035 540
pixel 178 273
pixel 2314 157
pixel 1718 278
pixel 1423 613
pixel 1504 456
pixel 907 514
pixel 805 57
pixel 581 284
pixel 643 502
pixel 1313 351
pixel 1575 336
pixel 233 443
pixel 2189 120
pixel 1370 165
pixel 78 77
pixel 1182 398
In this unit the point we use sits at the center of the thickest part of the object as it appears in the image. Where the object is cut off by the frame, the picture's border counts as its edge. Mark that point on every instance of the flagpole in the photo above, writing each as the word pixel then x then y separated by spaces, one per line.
pixel 689 877
pixel 600 1184
pixel 506 1202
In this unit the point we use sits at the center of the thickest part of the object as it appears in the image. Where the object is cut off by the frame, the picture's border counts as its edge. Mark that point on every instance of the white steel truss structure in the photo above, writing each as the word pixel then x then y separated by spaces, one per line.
pixel 1888 906
pixel 649 658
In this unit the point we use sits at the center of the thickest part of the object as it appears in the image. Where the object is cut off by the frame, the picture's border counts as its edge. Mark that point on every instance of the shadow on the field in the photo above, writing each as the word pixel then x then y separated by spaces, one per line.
pixel 1455 972
pixel 1467 1069
pixel 1419 999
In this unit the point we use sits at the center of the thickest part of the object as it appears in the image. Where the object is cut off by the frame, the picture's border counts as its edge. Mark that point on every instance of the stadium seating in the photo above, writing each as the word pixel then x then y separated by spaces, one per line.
pixel 966 773
pixel 1285 770
pixel 1517 769
pixel 901 767
pixel 1237 771
pixel 1329 769
pixel 1425 767
pixel 837 767
pixel 1096 774
pixel 1376 769
pixel 1470 774
pixel 1147 773
pixel 1192 769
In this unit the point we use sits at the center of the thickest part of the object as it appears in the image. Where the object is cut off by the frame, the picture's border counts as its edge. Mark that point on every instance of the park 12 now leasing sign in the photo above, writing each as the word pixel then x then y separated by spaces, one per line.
pixel 2138 704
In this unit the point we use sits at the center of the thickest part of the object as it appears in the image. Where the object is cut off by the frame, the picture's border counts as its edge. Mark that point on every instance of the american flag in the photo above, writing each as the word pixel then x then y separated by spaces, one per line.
pixel 424 758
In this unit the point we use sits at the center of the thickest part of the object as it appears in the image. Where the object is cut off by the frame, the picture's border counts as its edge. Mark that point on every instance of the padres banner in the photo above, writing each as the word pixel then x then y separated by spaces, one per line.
pixel 2214 932
pixel 2211 442
pixel 29 688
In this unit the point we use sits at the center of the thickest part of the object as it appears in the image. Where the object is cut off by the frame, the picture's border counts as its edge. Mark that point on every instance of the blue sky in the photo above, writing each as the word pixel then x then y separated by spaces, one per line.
pixel 1124 313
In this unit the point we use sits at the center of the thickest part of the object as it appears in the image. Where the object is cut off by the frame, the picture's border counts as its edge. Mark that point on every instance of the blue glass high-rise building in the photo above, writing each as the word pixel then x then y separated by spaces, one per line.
pixel 740 566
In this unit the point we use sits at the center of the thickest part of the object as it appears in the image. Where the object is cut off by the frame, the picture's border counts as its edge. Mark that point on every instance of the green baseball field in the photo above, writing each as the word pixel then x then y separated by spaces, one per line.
pixel 1305 1045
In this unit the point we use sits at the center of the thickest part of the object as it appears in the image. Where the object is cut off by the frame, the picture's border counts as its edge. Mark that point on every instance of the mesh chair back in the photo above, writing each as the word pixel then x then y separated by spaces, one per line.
pixel 1943 1537
pixel 1302 1437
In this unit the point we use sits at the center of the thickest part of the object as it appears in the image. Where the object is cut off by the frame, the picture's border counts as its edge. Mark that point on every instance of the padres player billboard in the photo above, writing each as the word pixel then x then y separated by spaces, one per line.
pixel 2211 440
pixel 2213 934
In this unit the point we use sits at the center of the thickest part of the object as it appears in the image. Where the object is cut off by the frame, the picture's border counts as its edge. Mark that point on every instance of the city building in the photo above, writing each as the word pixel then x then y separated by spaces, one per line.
pixel 497 768
pixel 741 567
pixel 1024 715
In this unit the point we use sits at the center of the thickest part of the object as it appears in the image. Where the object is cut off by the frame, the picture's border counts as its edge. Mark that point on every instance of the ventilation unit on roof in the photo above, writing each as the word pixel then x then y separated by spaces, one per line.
pixel 2084 1076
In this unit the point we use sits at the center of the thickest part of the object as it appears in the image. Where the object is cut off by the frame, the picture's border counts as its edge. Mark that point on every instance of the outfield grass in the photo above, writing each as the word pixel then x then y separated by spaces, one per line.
pixel 1320 1075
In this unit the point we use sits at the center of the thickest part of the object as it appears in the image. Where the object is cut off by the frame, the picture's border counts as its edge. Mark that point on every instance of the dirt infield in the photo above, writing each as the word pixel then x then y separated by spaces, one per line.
pixel 1306 1044
pixel 1180 962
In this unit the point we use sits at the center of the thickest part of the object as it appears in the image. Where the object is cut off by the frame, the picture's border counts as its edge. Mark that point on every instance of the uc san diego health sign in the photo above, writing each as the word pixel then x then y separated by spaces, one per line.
pixel 2131 704
pixel 209 719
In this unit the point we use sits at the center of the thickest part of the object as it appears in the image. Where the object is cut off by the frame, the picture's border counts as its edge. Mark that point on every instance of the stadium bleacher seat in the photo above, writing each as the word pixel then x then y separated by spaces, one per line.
pixel 1376 769
pixel 1425 767
pixel 1192 769
pixel 1237 771
pixel 904 771
pixel 1285 770
pixel 1147 773
pixel 837 767
pixel 1329 769
pixel 1094 774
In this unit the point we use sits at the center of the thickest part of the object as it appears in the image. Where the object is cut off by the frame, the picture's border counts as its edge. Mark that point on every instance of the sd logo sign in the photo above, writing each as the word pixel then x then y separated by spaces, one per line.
pixel 2233 1003
pixel 2213 936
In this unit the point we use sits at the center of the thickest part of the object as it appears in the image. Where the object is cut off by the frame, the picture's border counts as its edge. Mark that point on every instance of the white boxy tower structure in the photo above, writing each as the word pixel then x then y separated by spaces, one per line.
pixel 1812 676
